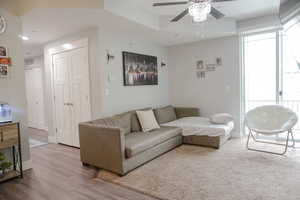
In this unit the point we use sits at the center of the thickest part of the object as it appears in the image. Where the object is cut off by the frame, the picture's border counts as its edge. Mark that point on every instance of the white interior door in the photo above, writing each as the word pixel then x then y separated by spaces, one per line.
pixel 35 98
pixel 80 92
pixel 72 93
pixel 62 98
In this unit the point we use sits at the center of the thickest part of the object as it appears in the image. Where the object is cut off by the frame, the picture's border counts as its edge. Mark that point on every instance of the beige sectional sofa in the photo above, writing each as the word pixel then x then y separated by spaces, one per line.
pixel 118 144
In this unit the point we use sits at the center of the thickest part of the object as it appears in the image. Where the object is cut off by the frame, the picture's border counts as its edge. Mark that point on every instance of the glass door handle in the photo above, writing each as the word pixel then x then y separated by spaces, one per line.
pixel 280 93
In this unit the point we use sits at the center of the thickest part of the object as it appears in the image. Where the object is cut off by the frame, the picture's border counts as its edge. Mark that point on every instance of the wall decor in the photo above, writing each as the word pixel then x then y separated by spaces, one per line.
pixel 109 56
pixel 139 69
pixel 5 61
pixel 210 67
pixel 203 68
pixel 200 65
pixel 2 24
pixel 4 71
pixel 219 61
pixel 3 51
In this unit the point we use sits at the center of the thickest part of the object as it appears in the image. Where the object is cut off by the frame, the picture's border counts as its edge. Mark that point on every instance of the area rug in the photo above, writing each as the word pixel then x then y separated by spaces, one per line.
pixel 231 173
pixel 35 143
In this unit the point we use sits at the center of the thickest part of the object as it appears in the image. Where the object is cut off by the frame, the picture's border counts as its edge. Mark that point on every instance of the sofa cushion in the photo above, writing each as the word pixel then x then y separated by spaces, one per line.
pixel 138 142
pixel 165 114
pixel 120 121
pixel 135 124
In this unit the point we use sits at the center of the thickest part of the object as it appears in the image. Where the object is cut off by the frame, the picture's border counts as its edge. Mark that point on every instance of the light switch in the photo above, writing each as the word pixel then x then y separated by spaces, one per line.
pixel 107 92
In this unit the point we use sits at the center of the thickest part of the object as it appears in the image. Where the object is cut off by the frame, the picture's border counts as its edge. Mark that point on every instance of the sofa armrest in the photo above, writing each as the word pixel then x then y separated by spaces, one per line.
pixel 101 146
pixel 186 112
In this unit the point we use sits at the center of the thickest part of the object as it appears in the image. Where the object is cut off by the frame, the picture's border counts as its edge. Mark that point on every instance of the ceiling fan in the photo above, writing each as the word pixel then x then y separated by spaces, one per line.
pixel 198 9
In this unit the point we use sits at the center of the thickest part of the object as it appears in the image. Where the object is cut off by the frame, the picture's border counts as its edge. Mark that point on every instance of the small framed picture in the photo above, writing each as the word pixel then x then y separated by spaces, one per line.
pixel 200 65
pixel 210 67
pixel 3 71
pixel 5 61
pixel 3 52
pixel 200 74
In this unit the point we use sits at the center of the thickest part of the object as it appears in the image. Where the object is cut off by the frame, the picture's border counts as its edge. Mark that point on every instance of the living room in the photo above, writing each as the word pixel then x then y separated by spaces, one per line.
pixel 96 88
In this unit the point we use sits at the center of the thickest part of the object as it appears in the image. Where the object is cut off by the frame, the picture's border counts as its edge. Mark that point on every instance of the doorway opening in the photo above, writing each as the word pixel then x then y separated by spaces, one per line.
pixel 38 131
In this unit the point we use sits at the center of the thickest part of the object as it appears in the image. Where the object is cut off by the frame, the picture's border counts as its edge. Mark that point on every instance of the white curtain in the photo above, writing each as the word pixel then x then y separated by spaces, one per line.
pixel 293 39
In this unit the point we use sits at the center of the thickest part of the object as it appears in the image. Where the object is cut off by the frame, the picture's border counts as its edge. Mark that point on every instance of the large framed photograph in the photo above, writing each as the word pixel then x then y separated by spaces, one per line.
pixel 139 69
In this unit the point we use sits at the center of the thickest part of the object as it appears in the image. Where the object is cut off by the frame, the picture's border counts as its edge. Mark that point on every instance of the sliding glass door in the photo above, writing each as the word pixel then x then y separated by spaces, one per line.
pixel 272 70
pixel 261 84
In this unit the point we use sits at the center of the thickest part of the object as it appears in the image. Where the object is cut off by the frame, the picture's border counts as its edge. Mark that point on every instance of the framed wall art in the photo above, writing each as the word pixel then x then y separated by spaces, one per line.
pixel 3 51
pixel 139 69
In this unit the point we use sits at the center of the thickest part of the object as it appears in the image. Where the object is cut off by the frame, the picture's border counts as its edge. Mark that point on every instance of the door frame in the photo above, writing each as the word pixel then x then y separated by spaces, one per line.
pixel 279 63
pixel 82 43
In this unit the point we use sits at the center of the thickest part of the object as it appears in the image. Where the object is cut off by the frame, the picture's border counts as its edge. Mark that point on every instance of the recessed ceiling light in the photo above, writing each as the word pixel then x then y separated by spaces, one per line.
pixel 67 46
pixel 23 37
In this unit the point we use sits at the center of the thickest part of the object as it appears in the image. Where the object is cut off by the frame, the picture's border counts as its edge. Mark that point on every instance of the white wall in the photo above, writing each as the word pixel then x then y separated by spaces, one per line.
pixel 258 24
pixel 12 90
pixel 36 62
pixel 220 90
pixel 120 98
pixel 123 98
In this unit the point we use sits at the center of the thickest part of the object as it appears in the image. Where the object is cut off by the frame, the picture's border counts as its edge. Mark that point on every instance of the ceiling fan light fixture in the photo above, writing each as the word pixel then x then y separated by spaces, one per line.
pixel 199 11
pixel 199 18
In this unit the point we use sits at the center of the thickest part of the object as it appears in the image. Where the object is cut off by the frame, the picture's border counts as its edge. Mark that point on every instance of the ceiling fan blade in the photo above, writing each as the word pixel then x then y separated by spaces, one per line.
pixel 170 3
pixel 216 1
pixel 216 13
pixel 181 15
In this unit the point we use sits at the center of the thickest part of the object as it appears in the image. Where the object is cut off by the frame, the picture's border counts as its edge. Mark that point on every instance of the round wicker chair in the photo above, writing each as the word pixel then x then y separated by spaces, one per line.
pixel 271 120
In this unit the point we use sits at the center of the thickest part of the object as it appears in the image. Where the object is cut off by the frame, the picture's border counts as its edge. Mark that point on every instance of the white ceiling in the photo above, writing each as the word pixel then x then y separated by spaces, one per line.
pixel 238 9
pixel 43 26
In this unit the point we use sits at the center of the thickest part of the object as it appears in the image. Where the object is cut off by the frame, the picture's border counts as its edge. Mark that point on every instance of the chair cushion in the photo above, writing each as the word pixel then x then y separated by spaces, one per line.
pixel 165 114
pixel 138 142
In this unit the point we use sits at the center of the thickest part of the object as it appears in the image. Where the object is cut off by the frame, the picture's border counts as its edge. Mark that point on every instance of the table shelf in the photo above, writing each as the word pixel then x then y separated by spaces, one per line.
pixel 10 139
pixel 10 175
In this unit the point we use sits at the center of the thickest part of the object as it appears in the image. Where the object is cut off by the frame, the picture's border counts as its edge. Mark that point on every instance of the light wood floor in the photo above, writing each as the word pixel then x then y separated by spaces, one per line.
pixel 58 174
pixel 37 134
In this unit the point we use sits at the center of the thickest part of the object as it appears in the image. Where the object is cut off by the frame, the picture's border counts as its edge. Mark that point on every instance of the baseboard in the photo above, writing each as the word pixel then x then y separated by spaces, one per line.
pixel 52 139
pixel 27 165
pixel 45 128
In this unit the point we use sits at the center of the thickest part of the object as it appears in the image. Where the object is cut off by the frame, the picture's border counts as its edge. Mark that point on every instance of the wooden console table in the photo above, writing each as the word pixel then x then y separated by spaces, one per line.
pixel 10 139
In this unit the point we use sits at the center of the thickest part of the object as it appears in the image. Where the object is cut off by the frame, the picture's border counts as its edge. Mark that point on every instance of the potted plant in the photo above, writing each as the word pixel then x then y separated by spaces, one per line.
pixel 4 165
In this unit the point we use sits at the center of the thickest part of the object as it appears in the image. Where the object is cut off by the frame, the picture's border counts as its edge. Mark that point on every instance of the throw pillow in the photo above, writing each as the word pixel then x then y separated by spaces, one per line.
pixel 221 118
pixel 165 114
pixel 147 120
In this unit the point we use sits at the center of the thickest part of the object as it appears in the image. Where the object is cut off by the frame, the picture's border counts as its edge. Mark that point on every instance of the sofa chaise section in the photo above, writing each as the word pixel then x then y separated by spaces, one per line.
pixel 117 143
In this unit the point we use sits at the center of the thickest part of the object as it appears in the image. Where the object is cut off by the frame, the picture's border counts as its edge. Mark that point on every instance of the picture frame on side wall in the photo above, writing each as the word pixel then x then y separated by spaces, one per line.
pixel 3 51
pixel 4 71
